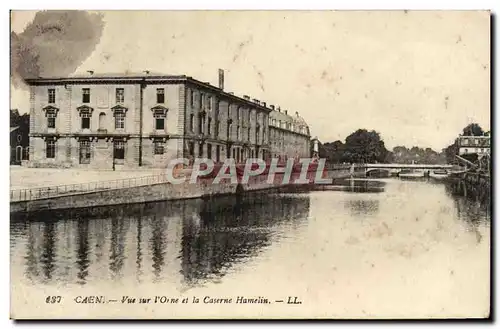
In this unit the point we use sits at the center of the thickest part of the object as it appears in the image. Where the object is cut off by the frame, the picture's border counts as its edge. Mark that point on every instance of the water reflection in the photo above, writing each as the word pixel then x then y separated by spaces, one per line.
pixel 83 250
pixel 210 244
pixel 472 208
pixel 198 240
pixel 353 185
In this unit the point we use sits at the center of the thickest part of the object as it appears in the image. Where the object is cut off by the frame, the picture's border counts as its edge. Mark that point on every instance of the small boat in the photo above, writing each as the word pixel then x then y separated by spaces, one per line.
pixel 439 174
pixel 411 173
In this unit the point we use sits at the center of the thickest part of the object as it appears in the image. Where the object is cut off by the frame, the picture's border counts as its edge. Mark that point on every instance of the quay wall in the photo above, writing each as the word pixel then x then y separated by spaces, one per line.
pixel 160 192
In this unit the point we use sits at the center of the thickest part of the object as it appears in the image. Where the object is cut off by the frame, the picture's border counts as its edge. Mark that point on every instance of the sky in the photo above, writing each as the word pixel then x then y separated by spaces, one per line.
pixel 416 77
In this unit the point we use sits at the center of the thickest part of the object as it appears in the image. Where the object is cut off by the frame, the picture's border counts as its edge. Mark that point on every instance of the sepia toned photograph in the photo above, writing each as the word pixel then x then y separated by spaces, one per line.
pixel 250 164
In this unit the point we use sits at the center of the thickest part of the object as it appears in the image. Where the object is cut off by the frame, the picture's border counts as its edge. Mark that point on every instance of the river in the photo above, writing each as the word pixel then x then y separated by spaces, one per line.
pixel 379 249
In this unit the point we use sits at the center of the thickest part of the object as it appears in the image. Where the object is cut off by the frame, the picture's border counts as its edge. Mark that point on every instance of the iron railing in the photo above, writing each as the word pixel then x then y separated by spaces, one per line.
pixel 81 188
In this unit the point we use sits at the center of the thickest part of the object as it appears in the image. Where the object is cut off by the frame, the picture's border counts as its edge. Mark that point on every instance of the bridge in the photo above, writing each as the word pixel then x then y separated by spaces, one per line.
pixel 396 167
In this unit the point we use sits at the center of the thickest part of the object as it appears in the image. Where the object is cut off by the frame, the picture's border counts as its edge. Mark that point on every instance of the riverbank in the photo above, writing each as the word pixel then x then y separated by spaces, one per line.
pixel 474 186
pixel 28 178
pixel 30 189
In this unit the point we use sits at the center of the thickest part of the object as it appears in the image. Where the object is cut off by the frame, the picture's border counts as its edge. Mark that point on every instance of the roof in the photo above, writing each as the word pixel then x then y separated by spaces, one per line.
pixel 150 77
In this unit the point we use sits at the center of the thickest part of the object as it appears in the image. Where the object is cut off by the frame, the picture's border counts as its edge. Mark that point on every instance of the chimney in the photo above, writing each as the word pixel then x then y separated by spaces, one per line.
pixel 297 114
pixel 231 93
pixel 279 109
pixel 221 79
pixel 246 97
pixel 91 72
pixel 286 112
pixel 256 101
pixel 146 71
pixel 272 107
pixel 264 104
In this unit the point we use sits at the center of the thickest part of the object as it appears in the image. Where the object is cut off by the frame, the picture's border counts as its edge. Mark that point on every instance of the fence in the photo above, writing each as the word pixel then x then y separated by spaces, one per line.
pixel 343 166
pixel 55 191
pixel 72 189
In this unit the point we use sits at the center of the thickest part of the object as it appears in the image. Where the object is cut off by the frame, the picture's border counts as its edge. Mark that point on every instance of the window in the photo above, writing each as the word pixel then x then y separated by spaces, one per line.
pixel 52 96
pixel 248 137
pixel 191 98
pixel 51 119
pixel 120 95
pixel 102 121
pixel 85 151
pixel 191 148
pixel 86 95
pixel 238 114
pixel 160 116
pixel 160 95
pixel 159 147
pixel 228 130
pixel 50 149
pixel 119 150
pixel 209 103
pixel 119 120
pixel 200 150
pixel 85 120
pixel 238 132
pixel 159 123
pixel 257 136
pixel 202 101
pixel 191 122
pixel 209 126
pixel 200 123
pixel 209 151
pixel 217 153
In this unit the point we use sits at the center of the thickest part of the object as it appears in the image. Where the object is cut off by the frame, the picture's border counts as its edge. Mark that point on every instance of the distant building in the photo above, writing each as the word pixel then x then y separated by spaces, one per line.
pixel 101 121
pixel 19 137
pixel 289 135
pixel 479 145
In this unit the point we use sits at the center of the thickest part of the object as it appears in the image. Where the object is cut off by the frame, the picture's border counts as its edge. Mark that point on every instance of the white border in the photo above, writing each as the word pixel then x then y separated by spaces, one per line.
pixel 182 5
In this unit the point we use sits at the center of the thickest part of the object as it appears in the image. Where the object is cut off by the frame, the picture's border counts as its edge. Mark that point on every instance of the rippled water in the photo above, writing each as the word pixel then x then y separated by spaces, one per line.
pixel 391 249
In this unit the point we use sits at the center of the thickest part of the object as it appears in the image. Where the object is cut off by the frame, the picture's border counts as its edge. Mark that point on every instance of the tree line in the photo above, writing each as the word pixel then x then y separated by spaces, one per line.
pixel 367 146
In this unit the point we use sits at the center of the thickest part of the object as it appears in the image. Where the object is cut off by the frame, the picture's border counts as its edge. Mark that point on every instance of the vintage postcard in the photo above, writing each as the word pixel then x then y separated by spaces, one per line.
pixel 250 165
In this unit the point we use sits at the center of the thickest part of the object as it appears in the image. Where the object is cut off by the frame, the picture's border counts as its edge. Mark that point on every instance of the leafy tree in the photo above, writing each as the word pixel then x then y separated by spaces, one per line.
pixel 14 117
pixel 450 152
pixel 473 129
pixel 364 146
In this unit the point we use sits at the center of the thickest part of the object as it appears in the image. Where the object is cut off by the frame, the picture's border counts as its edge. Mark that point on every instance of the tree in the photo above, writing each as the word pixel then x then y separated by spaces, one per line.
pixel 473 129
pixel 364 146
pixel 334 151
pixel 14 117
pixel 450 152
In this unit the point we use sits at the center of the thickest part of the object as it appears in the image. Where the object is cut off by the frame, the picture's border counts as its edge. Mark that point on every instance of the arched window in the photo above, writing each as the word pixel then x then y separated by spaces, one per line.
pixel 102 121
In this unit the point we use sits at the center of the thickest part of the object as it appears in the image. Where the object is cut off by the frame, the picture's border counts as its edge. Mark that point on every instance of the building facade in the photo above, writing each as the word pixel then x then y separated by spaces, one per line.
pixel 19 137
pixel 289 135
pixel 479 145
pixel 146 120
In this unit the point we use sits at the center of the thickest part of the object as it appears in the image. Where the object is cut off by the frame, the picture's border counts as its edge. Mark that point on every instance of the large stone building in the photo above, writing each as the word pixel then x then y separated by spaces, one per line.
pixel 289 135
pixel 106 121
